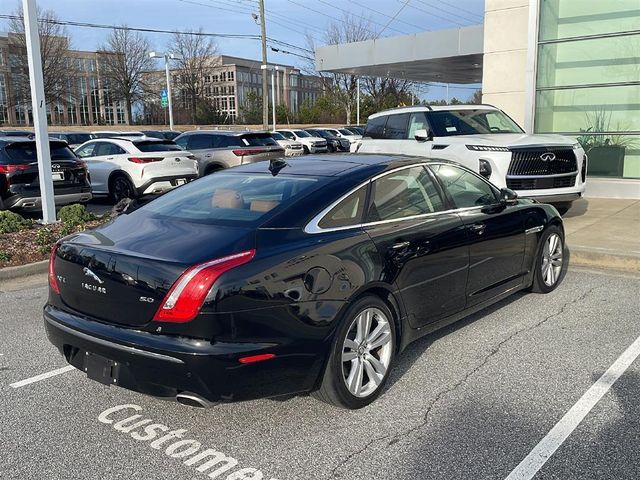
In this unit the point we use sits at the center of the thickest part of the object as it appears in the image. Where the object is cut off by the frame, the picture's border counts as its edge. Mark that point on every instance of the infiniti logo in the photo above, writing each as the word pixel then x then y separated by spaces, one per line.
pixel 548 157
pixel 55 166
pixel 89 273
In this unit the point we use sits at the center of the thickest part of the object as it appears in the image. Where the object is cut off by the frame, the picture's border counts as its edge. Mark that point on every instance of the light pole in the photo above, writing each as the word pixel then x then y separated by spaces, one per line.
pixel 167 56
pixel 273 70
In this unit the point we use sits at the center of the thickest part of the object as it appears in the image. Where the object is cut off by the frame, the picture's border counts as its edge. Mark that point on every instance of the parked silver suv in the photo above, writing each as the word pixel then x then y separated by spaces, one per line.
pixel 217 149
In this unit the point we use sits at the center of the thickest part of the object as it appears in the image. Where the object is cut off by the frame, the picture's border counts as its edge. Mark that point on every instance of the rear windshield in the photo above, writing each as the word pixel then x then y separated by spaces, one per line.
pixel 25 152
pixel 229 199
pixel 301 133
pixel 157 146
pixel 258 140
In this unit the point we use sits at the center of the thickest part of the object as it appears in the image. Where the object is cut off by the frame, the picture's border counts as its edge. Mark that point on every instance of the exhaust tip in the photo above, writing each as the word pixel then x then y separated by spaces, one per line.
pixel 193 400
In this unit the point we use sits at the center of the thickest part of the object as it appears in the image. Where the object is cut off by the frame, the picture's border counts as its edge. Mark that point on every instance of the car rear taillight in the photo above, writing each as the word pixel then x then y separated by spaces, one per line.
pixel 13 168
pixel 53 280
pixel 188 293
pixel 145 159
pixel 243 152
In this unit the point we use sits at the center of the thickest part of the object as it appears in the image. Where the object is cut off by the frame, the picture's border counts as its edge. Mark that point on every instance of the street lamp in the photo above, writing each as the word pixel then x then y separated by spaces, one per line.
pixel 273 70
pixel 167 56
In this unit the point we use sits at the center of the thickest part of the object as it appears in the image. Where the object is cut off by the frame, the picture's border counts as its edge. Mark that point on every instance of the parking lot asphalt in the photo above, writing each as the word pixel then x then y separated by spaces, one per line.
pixel 468 402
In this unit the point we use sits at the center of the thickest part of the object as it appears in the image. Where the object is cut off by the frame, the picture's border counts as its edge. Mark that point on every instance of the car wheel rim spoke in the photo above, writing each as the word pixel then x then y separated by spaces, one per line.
pixel 366 352
pixel 552 260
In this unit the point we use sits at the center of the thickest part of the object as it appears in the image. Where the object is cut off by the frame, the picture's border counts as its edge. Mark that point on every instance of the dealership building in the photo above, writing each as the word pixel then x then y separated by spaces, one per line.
pixel 556 66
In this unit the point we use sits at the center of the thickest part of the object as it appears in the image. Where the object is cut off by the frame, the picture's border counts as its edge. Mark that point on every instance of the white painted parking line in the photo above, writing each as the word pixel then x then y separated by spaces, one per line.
pixel 567 424
pixel 43 376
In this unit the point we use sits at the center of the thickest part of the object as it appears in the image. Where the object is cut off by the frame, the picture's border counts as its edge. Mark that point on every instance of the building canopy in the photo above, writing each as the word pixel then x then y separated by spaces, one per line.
pixel 449 56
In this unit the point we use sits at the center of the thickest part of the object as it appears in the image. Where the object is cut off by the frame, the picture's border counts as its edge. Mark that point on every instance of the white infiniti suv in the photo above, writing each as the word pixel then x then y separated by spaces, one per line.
pixel 131 167
pixel 549 168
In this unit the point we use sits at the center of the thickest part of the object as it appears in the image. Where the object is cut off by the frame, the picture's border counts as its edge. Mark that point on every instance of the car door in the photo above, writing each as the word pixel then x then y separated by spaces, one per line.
pixel 423 246
pixel 103 160
pixel 495 232
pixel 88 153
pixel 200 145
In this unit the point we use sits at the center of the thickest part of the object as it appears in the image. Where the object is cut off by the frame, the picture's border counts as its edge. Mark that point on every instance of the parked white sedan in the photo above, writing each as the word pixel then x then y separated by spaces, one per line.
pixel 129 167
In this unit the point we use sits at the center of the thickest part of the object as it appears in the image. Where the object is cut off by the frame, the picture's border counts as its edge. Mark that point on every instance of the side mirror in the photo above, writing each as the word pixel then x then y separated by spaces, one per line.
pixel 508 196
pixel 423 135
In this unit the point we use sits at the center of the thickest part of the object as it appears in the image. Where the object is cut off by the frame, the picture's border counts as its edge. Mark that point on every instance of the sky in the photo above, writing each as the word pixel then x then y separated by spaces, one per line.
pixel 288 21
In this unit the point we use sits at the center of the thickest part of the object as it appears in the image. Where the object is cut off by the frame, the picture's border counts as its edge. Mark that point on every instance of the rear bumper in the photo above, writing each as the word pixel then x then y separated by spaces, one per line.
pixel 555 198
pixel 162 184
pixel 165 365
pixel 35 203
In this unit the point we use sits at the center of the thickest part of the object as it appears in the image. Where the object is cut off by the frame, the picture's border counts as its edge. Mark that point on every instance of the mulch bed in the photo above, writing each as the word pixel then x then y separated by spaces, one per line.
pixel 23 246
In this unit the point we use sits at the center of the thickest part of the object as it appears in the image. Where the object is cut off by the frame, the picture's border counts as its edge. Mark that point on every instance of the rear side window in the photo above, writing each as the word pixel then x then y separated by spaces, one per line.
pixel 157 146
pixel 230 199
pixel 466 189
pixel 396 127
pixel 347 212
pixel 375 127
pixel 25 152
pixel 199 141
pixel 107 148
pixel 404 193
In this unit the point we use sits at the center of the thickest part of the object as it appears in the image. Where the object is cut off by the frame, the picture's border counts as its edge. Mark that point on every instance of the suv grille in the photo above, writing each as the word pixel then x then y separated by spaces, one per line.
pixel 541 182
pixel 529 161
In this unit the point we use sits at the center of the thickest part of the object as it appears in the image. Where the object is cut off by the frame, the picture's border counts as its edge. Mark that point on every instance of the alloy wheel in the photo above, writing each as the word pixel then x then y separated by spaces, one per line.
pixel 552 258
pixel 366 352
pixel 122 189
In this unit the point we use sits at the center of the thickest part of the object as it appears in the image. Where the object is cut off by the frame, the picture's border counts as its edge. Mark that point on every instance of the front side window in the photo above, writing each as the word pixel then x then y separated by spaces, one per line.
pixel 466 189
pixel 471 122
pixel 346 213
pixel 404 193
pixel 289 135
pixel 417 121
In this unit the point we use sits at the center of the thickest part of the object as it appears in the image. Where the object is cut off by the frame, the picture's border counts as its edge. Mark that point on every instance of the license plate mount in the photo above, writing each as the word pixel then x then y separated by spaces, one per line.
pixel 57 176
pixel 101 369
pixel 181 181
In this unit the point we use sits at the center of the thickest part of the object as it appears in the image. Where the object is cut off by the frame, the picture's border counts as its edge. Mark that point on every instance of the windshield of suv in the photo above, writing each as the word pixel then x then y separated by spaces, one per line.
pixel 344 131
pixel 277 136
pixel 471 122
pixel 301 133
pixel 78 138
pixel 229 199
pixel 319 133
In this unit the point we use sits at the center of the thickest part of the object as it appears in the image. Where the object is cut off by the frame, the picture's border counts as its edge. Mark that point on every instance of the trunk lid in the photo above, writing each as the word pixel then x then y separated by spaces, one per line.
pixel 121 273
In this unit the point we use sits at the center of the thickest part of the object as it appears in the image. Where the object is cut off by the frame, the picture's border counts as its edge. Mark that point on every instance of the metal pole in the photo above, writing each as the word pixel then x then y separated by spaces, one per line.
pixel 39 106
pixel 358 102
pixel 273 98
pixel 166 69
pixel 265 94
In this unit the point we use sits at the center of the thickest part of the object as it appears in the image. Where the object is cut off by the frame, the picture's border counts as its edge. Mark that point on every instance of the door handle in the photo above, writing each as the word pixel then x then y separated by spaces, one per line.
pixel 478 228
pixel 208 155
pixel 400 245
pixel 109 158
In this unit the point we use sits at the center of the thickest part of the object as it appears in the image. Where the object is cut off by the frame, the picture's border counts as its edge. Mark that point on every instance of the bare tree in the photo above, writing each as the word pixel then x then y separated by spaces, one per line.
pixel 54 46
pixel 388 92
pixel 124 59
pixel 196 53
pixel 341 85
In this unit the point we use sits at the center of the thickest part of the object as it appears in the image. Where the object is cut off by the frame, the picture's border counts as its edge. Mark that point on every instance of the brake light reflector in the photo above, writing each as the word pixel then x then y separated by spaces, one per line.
pixel 13 168
pixel 257 358
pixel 188 293
pixel 145 159
pixel 53 281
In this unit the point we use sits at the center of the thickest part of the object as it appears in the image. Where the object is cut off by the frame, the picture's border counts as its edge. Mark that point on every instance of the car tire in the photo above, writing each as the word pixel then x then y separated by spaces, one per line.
pixel 358 366
pixel 550 266
pixel 305 149
pixel 212 169
pixel 120 188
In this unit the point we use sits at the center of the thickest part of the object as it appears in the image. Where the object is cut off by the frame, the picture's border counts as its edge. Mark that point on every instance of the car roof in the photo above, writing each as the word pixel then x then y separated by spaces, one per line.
pixel 335 164
pixel 429 108
pixel 225 132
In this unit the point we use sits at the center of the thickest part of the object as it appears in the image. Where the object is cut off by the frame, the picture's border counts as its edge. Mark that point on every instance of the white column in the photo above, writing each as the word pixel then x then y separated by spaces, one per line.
pixel 358 101
pixel 39 106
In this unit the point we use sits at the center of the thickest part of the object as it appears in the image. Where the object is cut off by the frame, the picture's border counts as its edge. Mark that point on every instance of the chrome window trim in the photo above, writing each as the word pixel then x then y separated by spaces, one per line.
pixel 312 227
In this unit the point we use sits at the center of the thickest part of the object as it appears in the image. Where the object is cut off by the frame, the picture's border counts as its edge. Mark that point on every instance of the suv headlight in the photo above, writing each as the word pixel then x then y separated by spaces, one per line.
pixel 576 146
pixel 487 148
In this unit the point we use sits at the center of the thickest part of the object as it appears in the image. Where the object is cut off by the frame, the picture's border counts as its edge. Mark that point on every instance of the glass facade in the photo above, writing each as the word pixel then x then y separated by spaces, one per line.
pixel 588 80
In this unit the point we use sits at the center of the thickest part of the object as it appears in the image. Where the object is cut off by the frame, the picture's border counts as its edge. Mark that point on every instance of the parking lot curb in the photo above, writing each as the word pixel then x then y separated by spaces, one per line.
pixel 605 259
pixel 12 273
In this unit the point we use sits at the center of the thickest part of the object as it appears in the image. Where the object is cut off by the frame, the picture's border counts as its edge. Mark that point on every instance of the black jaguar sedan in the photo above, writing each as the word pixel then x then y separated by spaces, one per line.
pixel 309 276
